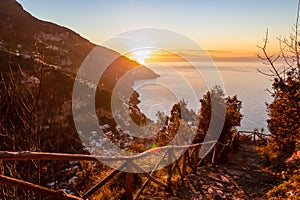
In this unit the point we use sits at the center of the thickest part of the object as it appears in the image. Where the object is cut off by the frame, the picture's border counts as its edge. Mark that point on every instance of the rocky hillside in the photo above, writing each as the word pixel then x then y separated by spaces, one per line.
pixel 54 53
pixel 24 36
pixel 38 65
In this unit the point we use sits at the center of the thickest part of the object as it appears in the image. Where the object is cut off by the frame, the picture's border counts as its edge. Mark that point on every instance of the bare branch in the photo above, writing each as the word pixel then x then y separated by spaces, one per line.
pixel 269 91
pixel 264 73
pixel 269 58
pixel 284 56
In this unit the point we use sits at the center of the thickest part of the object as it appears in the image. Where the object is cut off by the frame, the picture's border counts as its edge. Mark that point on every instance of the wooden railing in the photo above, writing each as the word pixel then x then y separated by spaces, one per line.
pixel 255 135
pixel 189 159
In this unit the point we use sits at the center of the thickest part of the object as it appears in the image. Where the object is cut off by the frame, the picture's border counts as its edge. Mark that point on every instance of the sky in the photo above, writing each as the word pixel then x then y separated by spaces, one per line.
pixel 228 29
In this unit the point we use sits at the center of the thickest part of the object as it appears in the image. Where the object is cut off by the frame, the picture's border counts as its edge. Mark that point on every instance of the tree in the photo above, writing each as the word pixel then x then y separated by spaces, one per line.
pixel 283 150
pixel 284 111
pixel 233 118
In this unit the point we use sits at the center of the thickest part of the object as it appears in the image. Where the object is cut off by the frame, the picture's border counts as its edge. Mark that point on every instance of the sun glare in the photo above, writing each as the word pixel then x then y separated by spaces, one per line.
pixel 141 55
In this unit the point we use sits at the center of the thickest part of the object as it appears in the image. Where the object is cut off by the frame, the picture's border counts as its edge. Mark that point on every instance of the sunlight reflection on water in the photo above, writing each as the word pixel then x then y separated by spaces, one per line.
pixel 240 79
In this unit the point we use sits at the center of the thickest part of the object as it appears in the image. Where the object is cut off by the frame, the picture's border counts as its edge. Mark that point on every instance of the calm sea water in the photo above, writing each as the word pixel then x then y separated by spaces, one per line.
pixel 179 81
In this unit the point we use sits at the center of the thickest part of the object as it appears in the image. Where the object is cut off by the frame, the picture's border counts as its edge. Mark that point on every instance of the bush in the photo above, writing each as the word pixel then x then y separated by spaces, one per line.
pixel 287 190
pixel 231 107
pixel 284 115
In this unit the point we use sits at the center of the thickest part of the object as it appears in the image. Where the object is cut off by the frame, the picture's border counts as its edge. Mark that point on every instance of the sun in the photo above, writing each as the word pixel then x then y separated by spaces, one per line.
pixel 141 55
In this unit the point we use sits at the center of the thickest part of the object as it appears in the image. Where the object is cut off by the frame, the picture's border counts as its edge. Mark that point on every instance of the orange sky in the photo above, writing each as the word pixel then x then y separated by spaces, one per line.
pixel 228 30
pixel 237 54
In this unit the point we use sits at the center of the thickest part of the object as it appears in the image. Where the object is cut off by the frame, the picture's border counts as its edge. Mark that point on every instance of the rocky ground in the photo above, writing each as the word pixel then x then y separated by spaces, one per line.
pixel 243 177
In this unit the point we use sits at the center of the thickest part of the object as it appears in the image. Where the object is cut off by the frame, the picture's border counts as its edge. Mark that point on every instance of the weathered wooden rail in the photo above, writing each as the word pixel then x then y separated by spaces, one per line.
pixel 38 189
pixel 189 159
pixel 255 135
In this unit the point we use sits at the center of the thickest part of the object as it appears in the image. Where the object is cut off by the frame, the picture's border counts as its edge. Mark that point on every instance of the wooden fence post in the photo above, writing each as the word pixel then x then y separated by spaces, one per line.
pixel 196 157
pixel 169 168
pixel 184 162
pixel 214 157
pixel 129 190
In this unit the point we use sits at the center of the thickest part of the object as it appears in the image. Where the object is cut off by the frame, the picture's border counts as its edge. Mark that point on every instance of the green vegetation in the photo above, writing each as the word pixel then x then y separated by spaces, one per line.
pixel 282 152
pixel 232 116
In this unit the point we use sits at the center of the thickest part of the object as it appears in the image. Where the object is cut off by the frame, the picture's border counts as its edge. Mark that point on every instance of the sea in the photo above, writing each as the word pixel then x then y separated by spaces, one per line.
pixel 179 80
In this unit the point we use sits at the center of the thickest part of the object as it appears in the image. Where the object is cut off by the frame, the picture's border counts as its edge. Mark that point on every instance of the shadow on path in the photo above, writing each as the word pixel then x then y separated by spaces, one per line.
pixel 242 177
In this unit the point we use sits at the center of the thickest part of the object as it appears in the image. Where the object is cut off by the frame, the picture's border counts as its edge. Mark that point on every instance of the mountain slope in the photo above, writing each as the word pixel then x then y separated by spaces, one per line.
pixel 23 35
pixel 45 49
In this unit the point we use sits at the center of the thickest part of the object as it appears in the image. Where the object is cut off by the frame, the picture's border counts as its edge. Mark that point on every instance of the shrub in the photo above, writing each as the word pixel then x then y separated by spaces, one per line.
pixel 230 107
pixel 284 115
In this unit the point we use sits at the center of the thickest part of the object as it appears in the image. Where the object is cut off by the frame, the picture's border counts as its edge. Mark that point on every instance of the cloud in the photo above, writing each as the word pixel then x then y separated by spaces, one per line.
pixel 200 56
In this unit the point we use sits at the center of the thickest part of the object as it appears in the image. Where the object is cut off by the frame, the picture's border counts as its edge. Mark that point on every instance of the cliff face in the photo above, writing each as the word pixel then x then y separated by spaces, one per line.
pixel 25 36
pixel 35 45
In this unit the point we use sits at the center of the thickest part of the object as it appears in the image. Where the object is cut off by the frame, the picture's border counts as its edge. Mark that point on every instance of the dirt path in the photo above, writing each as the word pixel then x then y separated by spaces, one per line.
pixel 243 177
